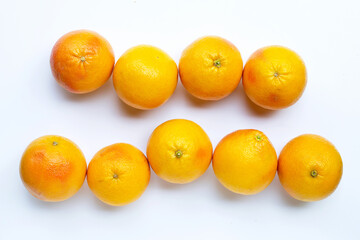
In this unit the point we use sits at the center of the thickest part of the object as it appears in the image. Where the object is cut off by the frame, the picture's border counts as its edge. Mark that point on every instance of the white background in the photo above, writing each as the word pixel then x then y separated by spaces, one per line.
pixel 325 34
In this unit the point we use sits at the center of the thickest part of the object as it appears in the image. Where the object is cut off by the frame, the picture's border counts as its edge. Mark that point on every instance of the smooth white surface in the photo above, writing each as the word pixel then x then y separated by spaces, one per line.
pixel 324 33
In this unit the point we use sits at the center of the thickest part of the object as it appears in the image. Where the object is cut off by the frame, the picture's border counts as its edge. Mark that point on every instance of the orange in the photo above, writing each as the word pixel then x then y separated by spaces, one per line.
pixel 245 161
pixel 145 77
pixel 179 151
pixel 52 168
pixel 118 174
pixel 274 77
pixel 82 61
pixel 310 168
pixel 210 68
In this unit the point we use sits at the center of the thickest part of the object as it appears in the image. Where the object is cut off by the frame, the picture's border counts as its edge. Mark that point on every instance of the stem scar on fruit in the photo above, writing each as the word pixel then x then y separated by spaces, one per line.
pixel 276 74
pixel 217 63
pixel 82 59
pixel 258 138
pixel 313 173
pixel 115 176
pixel 54 143
pixel 178 153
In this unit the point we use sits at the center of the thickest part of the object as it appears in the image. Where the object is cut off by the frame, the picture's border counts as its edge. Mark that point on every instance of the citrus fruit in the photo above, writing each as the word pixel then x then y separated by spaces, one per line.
pixel 210 68
pixel 52 168
pixel 82 61
pixel 179 151
pixel 245 161
pixel 145 77
pixel 274 77
pixel 310 167
pixel 118 174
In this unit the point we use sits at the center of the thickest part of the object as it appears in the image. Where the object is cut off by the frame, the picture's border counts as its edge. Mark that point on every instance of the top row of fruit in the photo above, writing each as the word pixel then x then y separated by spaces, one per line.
pixel 210 68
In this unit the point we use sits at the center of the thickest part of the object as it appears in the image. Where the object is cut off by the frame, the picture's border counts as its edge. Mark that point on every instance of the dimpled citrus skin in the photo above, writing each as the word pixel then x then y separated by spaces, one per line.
pixel 210 68
pixel 274 77
pixel 245 161
pixel 145 77
pixel 82 61
pixel 310 168
pixel 52 168
pixel 189 141
pixel 118 174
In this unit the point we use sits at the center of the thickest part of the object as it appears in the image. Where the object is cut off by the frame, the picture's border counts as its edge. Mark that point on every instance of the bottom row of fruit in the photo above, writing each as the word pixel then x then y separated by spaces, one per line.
pixel 53 168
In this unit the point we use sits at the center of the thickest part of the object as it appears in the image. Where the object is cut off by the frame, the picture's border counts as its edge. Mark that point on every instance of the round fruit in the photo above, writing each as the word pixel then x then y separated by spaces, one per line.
pixel 179 151
pixel 245 161
pixel 274 77
pixel 118 174
pixel 52 168
pixel 145 77
pixel 310 168
pixel 210 68
pixel 82 61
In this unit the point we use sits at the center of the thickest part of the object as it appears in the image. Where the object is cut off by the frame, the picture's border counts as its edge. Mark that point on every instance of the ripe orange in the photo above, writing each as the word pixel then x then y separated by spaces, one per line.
pixel 179 151
pixel 274 77
pixel 245 161
pixel 310 167
pixel 118 174
pixel 145 77
pixel 210 68
pixel 52 168
pixel 82 61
